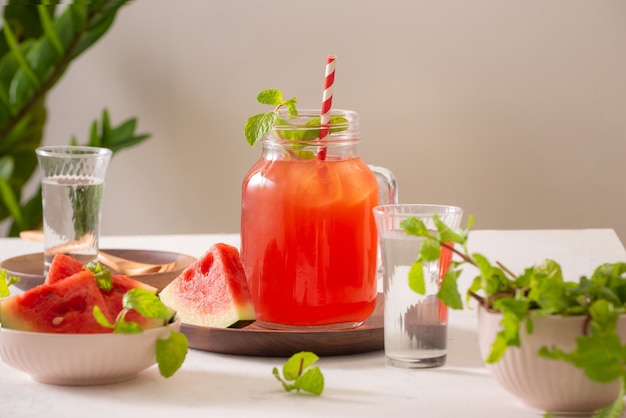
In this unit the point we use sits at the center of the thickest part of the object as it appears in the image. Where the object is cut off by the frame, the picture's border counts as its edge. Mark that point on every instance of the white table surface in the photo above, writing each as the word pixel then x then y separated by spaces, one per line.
pixel 218 385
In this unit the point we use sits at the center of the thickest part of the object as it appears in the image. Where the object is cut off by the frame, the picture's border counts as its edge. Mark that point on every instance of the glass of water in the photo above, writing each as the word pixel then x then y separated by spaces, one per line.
pixel 416 326
pixel 72 188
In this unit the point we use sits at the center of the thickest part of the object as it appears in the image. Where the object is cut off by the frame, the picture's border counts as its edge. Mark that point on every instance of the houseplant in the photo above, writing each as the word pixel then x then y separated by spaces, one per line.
pixel 37 46
pixel 522 301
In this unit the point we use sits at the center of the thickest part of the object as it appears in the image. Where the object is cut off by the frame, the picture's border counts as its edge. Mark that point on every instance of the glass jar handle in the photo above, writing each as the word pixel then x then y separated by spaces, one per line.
pixel 388 195
pixel 387 185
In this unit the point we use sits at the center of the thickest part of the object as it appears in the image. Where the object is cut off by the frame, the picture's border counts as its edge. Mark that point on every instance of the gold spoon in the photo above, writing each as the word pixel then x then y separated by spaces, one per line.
pixel 119 264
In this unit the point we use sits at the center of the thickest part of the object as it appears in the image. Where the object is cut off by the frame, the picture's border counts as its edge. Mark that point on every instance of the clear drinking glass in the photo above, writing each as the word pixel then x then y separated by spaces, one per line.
pixel 415 326
pixel 72 188
pixel 309 242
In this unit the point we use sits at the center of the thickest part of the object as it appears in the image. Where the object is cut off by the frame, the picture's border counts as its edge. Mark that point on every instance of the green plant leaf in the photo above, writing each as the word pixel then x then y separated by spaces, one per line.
pixel 100 16
pixel 11 202
pixel 48 27
pixel 447 234
pixel 298 363
pixel 416 278
pixel 101 318
pixel 415 226
pixel 31 213
pixel 146 303
pixel 311 381
pixel 114 138
pixel 101 274
pixel 299 375
pixel 171 353
pixel 126 327
pixel 270 97
pixel 449 292
pixel 258 126
pixel 18 53
pixel 24 18
pixel 5 283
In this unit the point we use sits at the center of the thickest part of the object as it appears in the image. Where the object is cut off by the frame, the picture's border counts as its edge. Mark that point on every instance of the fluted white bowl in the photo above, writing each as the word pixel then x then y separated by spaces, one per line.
pixel 81 359
pixel 551 385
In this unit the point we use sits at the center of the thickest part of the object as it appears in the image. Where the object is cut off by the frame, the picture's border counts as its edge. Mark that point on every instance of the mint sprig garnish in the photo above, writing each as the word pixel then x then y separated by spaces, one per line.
pixel 171 351
pixel 299 375
pixel 259 125
pixel 101 274
pixel 5 282
pixel 539 291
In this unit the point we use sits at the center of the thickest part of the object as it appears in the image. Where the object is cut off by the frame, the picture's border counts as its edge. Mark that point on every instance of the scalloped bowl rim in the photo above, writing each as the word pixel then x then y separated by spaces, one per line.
pixel 81 359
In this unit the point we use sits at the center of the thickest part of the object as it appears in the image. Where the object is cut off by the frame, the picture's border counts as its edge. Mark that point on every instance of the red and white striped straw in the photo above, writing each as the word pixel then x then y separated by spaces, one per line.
pixel 327 101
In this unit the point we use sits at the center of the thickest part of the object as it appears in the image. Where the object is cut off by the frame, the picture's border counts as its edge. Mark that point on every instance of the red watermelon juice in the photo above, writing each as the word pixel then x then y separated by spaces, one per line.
pixel 309 241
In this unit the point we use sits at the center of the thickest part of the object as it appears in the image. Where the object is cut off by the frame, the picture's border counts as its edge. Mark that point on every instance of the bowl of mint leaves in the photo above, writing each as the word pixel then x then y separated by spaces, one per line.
pixel 555 345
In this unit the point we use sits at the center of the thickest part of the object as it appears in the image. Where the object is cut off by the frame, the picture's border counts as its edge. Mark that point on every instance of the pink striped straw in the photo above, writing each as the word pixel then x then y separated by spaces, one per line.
pixel 327 101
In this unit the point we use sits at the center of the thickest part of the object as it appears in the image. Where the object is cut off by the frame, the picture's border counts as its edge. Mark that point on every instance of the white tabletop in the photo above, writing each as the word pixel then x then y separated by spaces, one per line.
pixel 218 385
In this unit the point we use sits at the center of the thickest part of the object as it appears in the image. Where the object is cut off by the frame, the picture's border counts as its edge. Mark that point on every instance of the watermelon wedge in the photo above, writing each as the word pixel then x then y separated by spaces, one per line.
pixel 62 266
pixel 65 302
pixel 213 291
pixel 62 307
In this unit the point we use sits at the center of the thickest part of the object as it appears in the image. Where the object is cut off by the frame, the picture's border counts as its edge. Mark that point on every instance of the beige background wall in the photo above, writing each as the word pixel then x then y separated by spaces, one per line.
pixel 514 110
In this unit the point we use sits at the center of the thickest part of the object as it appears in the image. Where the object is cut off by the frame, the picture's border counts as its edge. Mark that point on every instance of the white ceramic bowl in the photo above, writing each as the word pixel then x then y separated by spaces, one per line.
pixel 80 359
pixel 551 385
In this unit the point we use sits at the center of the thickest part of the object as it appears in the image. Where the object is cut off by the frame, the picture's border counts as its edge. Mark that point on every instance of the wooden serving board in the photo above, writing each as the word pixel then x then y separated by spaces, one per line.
pixel 252 340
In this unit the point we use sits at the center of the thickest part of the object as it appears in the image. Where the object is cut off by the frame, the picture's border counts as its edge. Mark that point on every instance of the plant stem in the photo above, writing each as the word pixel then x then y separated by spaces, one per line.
pixel 506 270
pixel 51 80
pixel 464 256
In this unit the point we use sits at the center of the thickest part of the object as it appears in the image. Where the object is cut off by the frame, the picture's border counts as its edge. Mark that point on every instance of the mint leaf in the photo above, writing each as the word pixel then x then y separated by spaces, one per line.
pixel 430 250
pixel 5 283
pixel 258 126
pixel 291 106
pixel 514 312
pixel 120 326
pixel 547 288
pixel 416 278
pixel 297 363
pixel 101 274
pixel 270 97
pixel 311 381
pixel 100 318
pixel 171 353
pixel 447 234
pixel 146 303
pixel 492 279
pixel 449 292
pixel 127 327
pixel 415 226
pixel 299 375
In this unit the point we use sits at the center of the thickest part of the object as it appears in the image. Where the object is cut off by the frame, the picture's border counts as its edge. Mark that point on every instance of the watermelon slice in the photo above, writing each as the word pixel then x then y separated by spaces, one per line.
pixel 62 266
pixel 213 291
pixel 65 302
pixel 62 307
